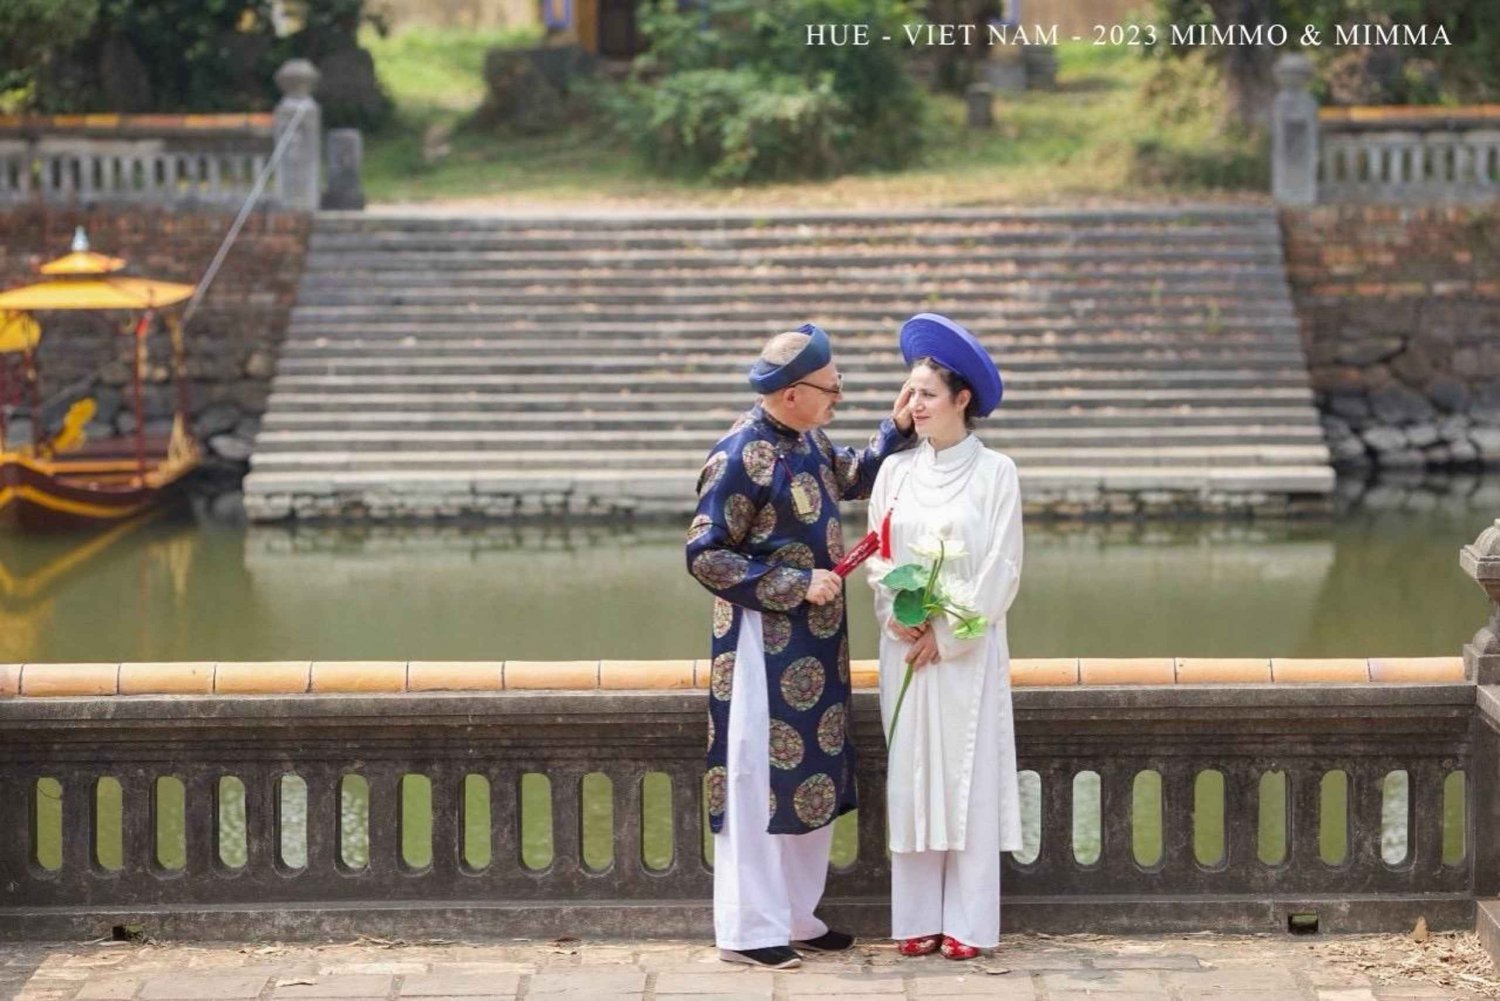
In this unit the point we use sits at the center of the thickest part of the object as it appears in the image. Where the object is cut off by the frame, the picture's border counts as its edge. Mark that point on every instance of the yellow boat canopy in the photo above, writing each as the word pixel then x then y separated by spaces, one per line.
pixel 18 333
pixel 96 293
pixel 81 260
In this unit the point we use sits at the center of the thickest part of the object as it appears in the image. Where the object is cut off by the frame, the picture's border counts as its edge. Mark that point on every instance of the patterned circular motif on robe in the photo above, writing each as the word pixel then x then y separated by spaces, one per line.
pixel 723 618
pixel 721 676
pixel 713 472
pixel 824 621
pixel 786 746
pixel 807 485
pixel 830 483
pixel 713 731
pixel 844 660
pixel 759 458
pixel 718 790
pixel 794 554
pixel 764 525
pixel 776 631
pixel 781 589
pixel 802 683
pixel 739 512
pixel 815 800
pixel 844 469
pixel 825 446
pixel 718 569
pixel 701 526
pixel 831 729
pixel 771 814
pixel 834 538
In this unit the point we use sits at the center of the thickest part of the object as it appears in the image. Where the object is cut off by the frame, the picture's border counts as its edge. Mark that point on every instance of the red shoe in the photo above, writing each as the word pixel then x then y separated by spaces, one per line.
pixel 924 946
pixel 954 949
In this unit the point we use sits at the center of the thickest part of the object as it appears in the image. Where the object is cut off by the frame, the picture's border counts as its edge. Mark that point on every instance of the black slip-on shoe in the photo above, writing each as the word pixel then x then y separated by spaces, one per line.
pixel 775 957
pixel 829 941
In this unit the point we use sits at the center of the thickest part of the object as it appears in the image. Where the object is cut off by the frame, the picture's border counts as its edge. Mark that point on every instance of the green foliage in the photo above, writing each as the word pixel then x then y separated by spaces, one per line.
pixel 181 55
pixel 31 30
pixel 1468 69
pixel 733 92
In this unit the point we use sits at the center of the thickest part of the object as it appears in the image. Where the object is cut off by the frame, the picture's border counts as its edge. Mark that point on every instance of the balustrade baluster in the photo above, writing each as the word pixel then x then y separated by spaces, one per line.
pixel 687 819
pixel 323 821
pixel 1303 821
pixel 871 864
pixel 1178 794
pixel 1366 821
pixel 567 818
pixel 1426 836
pixel 384 791
pixel 1241 817
pixel 78 829
pixel 625 787
pixel 137 833
pixel 447 807
pixel 505 822
pixel 200 819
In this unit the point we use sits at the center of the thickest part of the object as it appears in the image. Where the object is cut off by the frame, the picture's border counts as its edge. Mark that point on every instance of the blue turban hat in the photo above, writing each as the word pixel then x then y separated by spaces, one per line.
pixel 929 335
pixel 766 377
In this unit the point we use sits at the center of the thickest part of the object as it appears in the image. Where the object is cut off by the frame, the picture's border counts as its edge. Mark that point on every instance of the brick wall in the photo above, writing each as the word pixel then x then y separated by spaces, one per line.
pixel 232 341
pixel 1400 314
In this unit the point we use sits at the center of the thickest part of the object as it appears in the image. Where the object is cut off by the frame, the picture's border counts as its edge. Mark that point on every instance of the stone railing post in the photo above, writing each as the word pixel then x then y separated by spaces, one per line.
pixel 1481 561
pixel 299 176
pixel 1294 133
pixel 346 148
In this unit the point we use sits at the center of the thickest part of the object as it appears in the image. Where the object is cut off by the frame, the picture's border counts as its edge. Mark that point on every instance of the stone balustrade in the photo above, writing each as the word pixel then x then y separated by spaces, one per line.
pixel 1378 154
pixel 191 161
pixel 333 798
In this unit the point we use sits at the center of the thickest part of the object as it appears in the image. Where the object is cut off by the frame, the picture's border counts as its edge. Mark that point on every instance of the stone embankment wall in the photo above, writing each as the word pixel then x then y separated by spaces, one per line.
pixel 232 341
pixel 1400 315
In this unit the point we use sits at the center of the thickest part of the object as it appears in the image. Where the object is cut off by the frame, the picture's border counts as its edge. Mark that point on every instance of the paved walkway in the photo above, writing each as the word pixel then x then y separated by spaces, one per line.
pixel 1025 968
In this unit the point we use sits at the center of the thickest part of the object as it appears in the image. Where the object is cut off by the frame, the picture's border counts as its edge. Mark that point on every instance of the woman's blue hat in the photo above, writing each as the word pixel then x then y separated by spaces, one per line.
pixel 929 335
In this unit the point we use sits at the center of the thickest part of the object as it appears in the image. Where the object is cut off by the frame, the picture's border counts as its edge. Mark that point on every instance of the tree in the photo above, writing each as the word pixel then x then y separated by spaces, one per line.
pixel 31 30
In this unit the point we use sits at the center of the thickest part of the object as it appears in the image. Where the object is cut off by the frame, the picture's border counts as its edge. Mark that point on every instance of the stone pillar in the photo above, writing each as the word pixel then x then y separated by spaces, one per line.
pixel 1294 133
pixel 346 150
pixel 1481 561
pixel 299 176
pixel 980 99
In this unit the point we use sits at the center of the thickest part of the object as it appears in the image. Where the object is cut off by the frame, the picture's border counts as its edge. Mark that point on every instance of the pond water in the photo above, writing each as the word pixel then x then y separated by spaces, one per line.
pixel 1380 579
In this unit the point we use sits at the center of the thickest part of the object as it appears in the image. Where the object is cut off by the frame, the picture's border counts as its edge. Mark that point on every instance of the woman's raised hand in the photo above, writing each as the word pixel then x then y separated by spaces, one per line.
pixel 901 410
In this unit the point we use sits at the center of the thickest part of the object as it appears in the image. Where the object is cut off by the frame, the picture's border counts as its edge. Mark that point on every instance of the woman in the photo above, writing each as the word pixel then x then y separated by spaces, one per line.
pixel 952 799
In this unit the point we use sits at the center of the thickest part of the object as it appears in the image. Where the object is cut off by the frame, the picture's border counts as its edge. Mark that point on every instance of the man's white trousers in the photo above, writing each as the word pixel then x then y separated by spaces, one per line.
pixel 957 893
pixel 765 885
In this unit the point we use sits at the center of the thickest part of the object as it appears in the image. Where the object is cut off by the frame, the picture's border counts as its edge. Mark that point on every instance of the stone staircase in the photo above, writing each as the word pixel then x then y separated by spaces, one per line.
pixel 459 365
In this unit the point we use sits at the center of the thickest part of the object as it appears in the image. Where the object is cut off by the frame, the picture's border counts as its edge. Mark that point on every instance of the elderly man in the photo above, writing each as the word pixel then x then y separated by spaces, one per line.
pixel 764 540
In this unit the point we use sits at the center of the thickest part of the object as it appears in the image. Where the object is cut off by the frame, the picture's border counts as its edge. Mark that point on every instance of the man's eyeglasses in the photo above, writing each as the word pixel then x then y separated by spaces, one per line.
pixel 837 390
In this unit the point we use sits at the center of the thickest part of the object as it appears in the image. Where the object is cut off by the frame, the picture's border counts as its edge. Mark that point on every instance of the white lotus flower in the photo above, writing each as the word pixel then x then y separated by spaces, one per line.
pixel 932 545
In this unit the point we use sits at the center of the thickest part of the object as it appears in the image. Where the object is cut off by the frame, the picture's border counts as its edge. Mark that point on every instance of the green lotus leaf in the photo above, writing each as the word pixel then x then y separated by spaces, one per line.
pixel 909 609
pixel 907 577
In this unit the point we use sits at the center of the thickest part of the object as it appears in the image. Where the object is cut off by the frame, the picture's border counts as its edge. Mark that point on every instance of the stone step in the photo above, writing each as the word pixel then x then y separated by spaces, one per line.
pixel 678 484
pixel 433 271
pixel 588 282
pixel 658 237
pixel 339 394
pixel 1214 315
pixel 1148 261
pixel 851 349
pixel 1007 298
pixel 668 382
pixel 292 413
pixel 564 461
pixel 1207 214
pixel 746 333
pixel 1018 366
pixel 505 440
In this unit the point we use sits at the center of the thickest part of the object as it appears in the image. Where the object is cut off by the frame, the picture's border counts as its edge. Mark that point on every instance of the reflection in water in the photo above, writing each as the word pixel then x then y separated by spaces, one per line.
pixel 1381 579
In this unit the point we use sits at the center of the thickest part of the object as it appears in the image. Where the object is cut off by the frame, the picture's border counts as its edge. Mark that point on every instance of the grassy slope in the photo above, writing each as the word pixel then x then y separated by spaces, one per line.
pixel 1078 143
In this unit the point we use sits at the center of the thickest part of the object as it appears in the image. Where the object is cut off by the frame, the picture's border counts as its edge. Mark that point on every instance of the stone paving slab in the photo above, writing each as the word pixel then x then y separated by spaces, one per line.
pixel 1025 968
